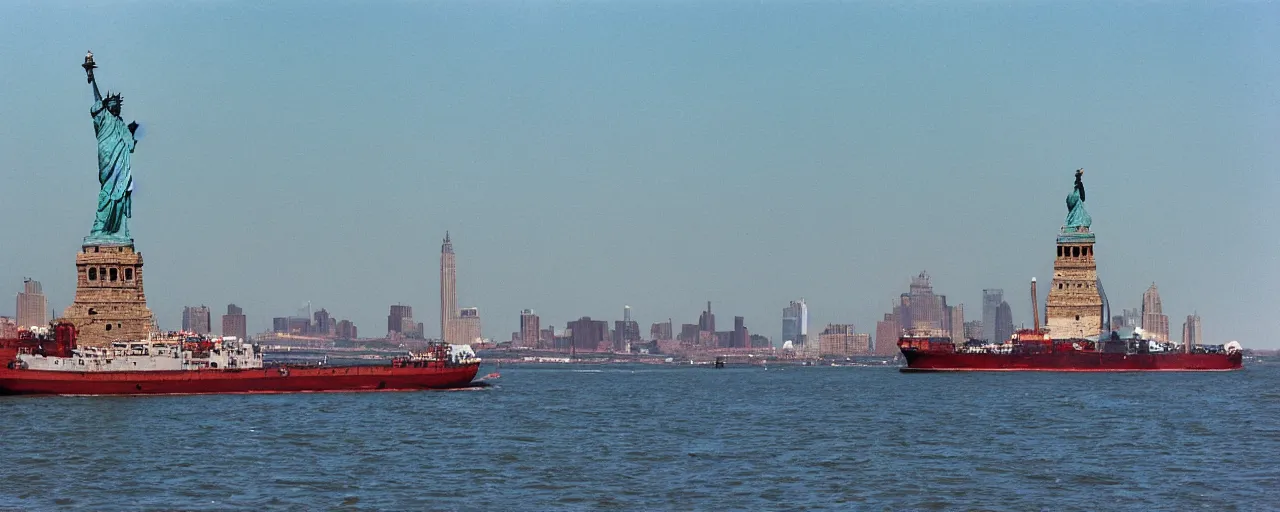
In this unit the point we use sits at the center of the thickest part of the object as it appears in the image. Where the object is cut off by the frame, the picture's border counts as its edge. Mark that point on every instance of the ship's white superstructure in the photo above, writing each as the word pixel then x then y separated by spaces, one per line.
pixel 152 355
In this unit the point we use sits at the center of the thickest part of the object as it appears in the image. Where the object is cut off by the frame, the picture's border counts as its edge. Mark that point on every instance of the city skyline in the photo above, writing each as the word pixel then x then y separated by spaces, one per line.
pixel 947 318
pixel 729 186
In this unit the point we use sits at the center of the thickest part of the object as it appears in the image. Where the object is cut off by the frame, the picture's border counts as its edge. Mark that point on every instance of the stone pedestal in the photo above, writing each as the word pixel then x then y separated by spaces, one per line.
pixel 110 304
pixel 1074 306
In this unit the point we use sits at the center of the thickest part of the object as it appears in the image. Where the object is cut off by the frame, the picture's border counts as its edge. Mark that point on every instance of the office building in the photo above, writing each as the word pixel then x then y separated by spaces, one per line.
pixel 196 319
pixel 33 307
pixel 795 323
pixel 234 323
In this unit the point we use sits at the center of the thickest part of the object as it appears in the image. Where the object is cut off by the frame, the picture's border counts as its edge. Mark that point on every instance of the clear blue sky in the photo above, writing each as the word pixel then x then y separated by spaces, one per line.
pixel 587 155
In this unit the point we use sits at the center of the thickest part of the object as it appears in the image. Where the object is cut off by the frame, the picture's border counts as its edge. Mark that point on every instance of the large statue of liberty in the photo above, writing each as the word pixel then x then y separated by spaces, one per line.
pixel 116 142
pixel 1077 218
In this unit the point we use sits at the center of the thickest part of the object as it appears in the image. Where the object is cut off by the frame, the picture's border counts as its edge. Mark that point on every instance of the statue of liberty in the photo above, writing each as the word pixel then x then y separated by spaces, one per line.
pixel 1078 219
pixel 116 142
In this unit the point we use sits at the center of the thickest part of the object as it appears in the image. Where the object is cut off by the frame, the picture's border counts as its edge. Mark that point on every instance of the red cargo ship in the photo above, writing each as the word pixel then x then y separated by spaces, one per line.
pixel 52 364
pixel 1033 350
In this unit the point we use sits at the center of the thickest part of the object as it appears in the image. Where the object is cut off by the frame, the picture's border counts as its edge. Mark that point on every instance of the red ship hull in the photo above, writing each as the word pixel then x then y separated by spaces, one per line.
pixel 1072 361
pixel 258 380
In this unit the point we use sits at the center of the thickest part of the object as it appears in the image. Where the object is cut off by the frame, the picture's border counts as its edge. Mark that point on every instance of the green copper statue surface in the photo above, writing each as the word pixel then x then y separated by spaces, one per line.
pixel 116 142
pixel 1077 217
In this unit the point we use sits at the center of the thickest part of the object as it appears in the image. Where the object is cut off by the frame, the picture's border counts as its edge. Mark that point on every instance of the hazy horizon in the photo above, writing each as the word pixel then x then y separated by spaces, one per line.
pixel 585 156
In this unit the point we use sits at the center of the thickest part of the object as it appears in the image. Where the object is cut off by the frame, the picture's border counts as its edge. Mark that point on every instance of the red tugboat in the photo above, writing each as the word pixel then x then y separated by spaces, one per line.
pixel 38 363
pixel 1035 350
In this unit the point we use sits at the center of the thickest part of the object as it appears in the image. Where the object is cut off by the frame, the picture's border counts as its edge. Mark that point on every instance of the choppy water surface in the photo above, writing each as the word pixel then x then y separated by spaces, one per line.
pixel 668 438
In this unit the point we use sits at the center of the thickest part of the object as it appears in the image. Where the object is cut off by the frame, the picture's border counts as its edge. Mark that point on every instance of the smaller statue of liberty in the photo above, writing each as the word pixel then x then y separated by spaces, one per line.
pixel 1078 219
pixel 116 142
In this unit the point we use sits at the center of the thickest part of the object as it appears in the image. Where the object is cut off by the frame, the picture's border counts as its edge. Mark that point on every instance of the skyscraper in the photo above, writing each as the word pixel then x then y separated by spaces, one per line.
pixel 1191 333
pixel 887 333
pixel 1004 323
pixel 795 323
pixel 586 334
pixel 346 330
pixel 973 330
pixel 661 331
pixel 196 319
pixel 400 320
pixel 991 299
pixel 234 324
pixel 466 326
pixel 625 332
pixel 957 323
pixel 448 291
pixel 1132 317
pixel 298 325
pixel 530 329
pixel 840 340
pixel 323 324
pixel 921 309
pixel 707 321
pixel 33 307
pixel 740 338
pixel 1154 321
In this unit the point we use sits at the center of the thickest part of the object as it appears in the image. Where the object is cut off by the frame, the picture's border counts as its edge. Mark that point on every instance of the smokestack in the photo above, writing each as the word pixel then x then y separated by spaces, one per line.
pixel 1035 306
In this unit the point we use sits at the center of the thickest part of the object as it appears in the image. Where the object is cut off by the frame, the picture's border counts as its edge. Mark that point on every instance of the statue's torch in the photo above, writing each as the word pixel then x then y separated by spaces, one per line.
pixel 89 65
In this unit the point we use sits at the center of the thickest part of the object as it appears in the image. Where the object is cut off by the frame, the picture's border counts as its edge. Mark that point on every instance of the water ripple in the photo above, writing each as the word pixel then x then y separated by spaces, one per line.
pixel 667 439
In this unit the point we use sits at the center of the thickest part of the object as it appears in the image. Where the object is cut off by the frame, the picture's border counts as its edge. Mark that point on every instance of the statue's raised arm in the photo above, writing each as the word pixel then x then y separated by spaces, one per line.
pixel 88 66
pixel 1080 183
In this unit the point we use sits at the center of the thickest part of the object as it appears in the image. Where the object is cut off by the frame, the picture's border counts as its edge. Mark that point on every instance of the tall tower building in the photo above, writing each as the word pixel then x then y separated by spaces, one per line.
pixel 400 320
pixel 957 323
pixel 707 321
pixel 991 299
pixel 740 338
pixel 1154 321
pixel 887 333
pixel 196 319
pixel 234 324
pixel 323 324
pixel 662 331
pixel 973 330
pixel 1191 333
pixel 1074 308
pixel 921 309
pixel 795 323
pixel 466 326
pixel 586 334
pixel 1131 317
pixel 1004 323
pixel 530 329
pixel 448 292
pixel 33 307
pixel 625 332
pixel 347 330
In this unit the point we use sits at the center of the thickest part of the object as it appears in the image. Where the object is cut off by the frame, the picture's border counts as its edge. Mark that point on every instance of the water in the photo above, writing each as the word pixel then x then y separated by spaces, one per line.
pixel 664 438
